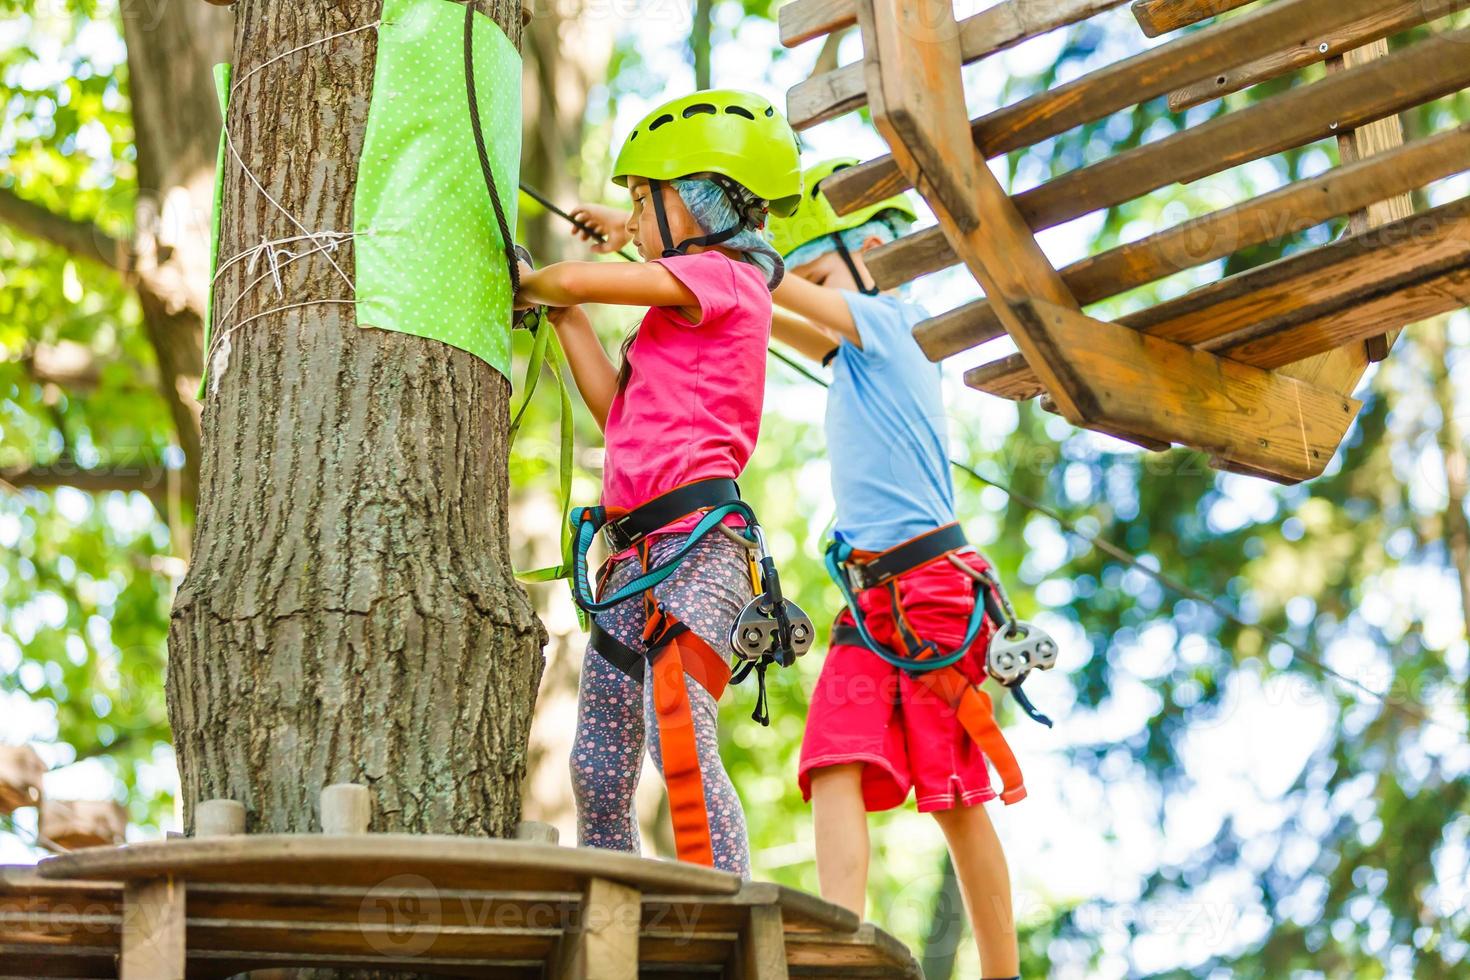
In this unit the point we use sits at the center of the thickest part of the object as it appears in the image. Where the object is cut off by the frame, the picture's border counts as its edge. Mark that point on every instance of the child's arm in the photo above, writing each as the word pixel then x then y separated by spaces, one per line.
pixel 824 307
pixel 801 335
pixel 592 369
pixel 611 223
pixel 631 284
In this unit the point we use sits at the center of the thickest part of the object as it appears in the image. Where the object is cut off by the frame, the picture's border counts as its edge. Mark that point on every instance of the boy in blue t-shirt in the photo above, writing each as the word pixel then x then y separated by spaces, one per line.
pixel 875 730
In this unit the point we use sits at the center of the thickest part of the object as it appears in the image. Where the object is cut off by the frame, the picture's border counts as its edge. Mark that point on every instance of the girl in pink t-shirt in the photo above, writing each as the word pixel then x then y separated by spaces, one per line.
pixel 684 406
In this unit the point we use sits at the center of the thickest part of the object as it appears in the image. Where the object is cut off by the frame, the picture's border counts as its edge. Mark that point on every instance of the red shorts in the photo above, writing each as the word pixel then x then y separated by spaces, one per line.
pixel 864 710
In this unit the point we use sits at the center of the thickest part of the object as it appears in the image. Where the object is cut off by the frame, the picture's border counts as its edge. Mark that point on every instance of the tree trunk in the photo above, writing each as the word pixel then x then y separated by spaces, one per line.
pixel 350 613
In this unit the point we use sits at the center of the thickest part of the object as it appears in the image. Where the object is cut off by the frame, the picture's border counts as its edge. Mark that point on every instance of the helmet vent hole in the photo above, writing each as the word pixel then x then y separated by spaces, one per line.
pixel 632 136
pixel 739 110
pixel 665 118
pixel 699 108
pixel 770 111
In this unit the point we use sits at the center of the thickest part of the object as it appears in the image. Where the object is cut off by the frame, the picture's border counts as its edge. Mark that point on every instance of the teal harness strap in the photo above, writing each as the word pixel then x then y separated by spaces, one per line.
pixel 838 554
pixel 587 521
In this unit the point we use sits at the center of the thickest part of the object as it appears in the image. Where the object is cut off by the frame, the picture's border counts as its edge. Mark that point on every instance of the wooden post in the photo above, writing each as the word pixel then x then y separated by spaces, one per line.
pixel 537 832
pixel 1374 138
pixel 21 770
pixel 761 954
pixel 219 818
pixel 917 99
pixel 347 808
pixel 604 946
pixel 153 930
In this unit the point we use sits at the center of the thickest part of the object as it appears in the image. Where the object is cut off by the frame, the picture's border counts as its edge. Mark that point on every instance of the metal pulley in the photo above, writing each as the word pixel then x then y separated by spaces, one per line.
pixel 771 626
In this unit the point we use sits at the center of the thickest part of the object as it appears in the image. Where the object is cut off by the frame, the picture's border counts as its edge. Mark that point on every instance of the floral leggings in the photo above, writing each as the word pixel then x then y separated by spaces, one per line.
pixel 615 714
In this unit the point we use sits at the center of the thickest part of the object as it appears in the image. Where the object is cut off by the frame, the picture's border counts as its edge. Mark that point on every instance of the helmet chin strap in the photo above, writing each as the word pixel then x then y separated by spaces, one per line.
pixel 656 191
pixel 857 277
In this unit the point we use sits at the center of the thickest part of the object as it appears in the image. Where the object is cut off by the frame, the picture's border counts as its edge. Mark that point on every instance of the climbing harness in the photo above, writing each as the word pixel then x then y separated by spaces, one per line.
pixel 770 629
pixel 1016 647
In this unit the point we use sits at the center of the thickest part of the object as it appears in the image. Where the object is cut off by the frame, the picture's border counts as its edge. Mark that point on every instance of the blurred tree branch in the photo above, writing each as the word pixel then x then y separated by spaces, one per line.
pixel 148 478
pixel 80 239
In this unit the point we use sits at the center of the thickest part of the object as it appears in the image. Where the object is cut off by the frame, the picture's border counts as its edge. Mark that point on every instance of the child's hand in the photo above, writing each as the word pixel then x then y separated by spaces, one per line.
pixel 611 223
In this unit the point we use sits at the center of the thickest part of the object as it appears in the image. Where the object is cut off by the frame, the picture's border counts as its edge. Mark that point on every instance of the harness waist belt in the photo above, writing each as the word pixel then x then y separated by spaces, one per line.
pixel 625 532
pixel 909 555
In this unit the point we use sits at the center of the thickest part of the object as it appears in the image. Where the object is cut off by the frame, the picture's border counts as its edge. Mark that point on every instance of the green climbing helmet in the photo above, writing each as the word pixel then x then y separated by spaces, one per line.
pixel 721 131
pixel 814 216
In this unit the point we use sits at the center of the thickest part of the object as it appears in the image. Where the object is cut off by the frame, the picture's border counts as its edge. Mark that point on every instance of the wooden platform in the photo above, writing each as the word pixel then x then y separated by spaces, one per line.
pixel 440 905
pixel 1258 369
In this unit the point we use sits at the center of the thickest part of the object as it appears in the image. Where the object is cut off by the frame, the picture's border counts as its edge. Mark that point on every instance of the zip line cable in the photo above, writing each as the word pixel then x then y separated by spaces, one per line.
pixel 1093 540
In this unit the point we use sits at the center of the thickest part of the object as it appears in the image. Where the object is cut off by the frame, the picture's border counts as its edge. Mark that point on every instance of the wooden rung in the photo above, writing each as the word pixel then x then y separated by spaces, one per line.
pixel 1157 17
pixel 21 771
pixel 1270 217
pixel 1305 302
pixel 1130 382
pixel 1360 317
pixel 960 329
pixel 1329 44
pixel 994 29
pixel 907 258
pixel 802 20
pixel 1315 283
pixel 1349 98
pixel 1098 94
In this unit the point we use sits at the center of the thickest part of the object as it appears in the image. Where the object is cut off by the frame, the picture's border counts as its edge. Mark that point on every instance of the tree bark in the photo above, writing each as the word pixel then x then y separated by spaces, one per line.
pixel 350 614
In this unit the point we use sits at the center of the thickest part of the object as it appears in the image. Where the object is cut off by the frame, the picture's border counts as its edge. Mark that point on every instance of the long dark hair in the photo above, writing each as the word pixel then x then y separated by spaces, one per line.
pixel 625 364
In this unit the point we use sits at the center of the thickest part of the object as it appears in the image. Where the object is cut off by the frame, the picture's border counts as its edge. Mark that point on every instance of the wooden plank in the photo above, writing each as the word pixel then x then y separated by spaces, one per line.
pixel 802 20
pixel 1134 383
pixel 1329 45
pixel 917 98
pixel 1270 217
pixel 1129 82
pixel 76 824
pixel 868 952
pixel 762 950
pixel 907 258
pixel 153 930
pixel 1157 17
pixel 1362 317
pixel 448 862
pixel 1314 284
pixel 604 946
pixel 1367 93
pixel 995 29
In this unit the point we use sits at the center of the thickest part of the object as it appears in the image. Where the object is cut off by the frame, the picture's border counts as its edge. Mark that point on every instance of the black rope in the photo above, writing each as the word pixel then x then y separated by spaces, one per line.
pixel 581 226
pixel 512 262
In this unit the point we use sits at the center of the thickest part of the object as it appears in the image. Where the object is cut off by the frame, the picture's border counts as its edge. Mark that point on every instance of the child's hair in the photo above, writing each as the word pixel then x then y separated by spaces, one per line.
pixel 885 227
pixel 712 209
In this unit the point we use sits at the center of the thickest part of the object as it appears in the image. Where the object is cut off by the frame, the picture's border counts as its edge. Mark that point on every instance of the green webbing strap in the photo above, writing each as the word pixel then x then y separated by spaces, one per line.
pixel 837 555
pixel 547 348
pixel 587 528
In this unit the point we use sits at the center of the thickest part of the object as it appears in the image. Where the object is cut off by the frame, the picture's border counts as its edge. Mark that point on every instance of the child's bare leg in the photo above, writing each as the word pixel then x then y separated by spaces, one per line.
pixel 985 881
pixel 841 824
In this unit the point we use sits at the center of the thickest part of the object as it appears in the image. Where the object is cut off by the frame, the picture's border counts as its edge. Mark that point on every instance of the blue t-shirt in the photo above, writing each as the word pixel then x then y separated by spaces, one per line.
pixel 886 430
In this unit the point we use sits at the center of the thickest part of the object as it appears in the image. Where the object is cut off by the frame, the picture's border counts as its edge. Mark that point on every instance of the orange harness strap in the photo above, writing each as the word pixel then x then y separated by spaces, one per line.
pixel 674 651
pixel 974 710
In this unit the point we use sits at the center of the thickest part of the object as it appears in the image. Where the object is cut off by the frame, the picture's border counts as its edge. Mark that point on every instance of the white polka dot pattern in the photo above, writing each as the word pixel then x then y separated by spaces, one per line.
pixel 430 261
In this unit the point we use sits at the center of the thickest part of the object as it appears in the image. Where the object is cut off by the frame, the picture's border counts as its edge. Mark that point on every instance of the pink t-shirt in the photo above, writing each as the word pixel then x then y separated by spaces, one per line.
pixel 692 407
